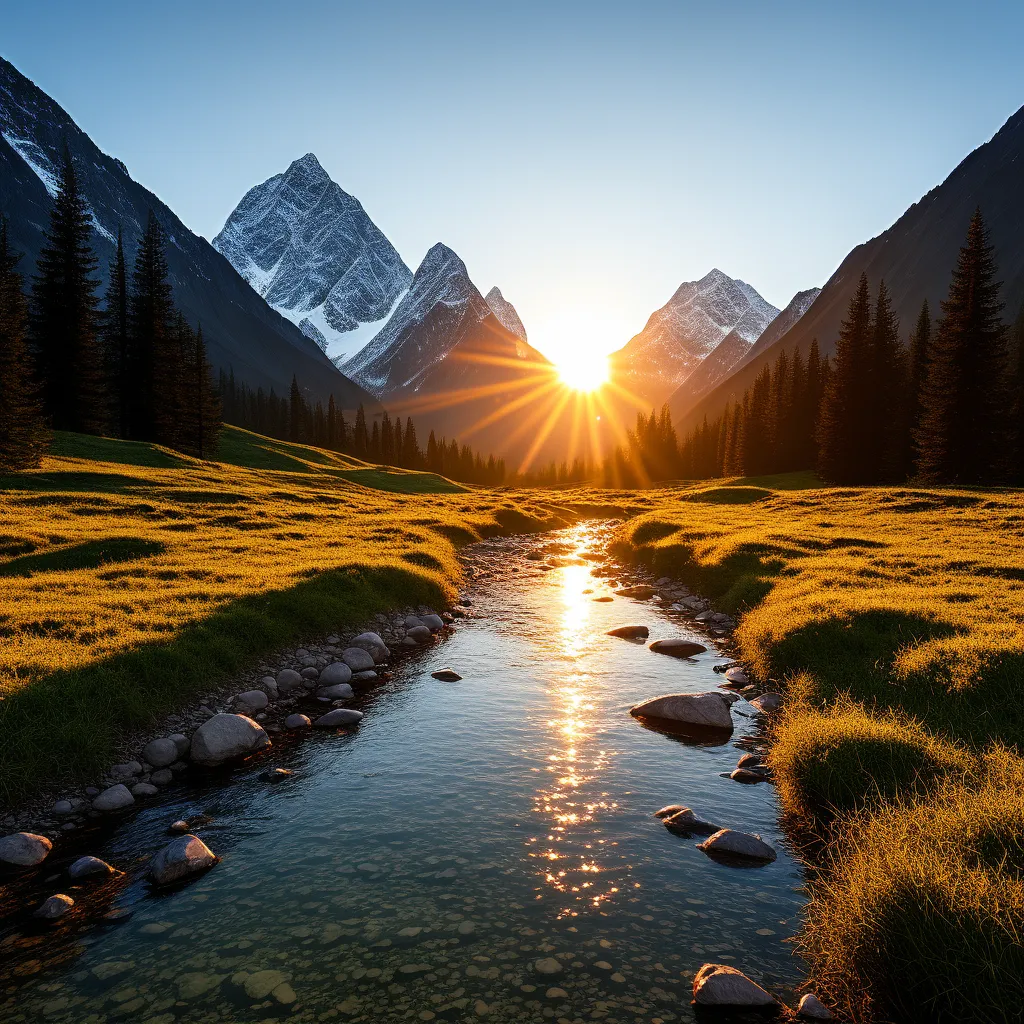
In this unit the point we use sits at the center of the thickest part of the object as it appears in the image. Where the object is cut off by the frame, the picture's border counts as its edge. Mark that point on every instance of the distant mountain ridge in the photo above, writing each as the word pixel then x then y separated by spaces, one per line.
pixel 683 332
pixel 915 257
pixel 309 248
pixel 243 333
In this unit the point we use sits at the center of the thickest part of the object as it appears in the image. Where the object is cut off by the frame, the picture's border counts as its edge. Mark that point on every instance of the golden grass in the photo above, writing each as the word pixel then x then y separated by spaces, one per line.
pixel 894 618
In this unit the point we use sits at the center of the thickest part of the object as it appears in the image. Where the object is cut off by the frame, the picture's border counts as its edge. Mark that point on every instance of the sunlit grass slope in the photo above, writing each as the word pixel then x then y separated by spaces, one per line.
pixel 895 620
pixel 132 577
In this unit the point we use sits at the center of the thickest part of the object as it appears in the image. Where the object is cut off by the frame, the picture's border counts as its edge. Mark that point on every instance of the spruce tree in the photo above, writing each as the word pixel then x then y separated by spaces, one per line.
pixel 962 437
pixel 360 437
pixel 887 424
pixel 64 318
pixel 201 423
pixel 22 437
pixel 116 339
pixel 919 355
pixel 843 415
pixel 411 445
pixel 296 412
pixel 1017 355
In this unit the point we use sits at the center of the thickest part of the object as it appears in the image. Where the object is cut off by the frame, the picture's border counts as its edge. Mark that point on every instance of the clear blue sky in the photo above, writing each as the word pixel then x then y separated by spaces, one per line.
pixel 586 157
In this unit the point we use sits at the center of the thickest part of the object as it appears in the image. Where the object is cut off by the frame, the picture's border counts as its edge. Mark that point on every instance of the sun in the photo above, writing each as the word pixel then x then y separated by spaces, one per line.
pixel 584 372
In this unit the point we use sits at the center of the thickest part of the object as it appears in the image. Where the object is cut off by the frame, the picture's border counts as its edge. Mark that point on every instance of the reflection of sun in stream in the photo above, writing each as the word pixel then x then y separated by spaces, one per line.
pixel 573 767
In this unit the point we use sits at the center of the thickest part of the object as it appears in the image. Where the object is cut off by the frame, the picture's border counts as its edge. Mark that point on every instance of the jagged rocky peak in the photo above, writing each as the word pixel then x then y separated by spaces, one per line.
pixel 309 248
pixel 505 312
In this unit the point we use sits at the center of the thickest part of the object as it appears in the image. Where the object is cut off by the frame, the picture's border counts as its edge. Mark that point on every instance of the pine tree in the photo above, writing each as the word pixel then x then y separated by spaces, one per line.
pixel 360 438
pixel 887 425
pixel 919 356
pixel 22 438
pixel 410 446
pixel 202 408
pixel 1017 355
pixel 295 411
pixel 843 416
pixel 64 318
pixel 115 336
pixel 962 437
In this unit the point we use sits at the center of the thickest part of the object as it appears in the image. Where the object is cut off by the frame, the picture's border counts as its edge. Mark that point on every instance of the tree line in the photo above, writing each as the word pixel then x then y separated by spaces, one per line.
pixel 387 441
pixel 945 407
pixel 134 369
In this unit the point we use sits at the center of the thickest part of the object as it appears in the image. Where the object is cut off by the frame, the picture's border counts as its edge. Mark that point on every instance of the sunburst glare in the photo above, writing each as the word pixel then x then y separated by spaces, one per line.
pixel 584 372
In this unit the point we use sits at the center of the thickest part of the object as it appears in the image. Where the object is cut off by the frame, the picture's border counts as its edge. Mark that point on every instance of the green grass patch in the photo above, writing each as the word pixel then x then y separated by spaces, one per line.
pixel 401 482
pixel 110 449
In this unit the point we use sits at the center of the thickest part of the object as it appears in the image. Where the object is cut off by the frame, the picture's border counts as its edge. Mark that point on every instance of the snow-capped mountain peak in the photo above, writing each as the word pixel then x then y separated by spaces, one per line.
pixel 505 312
pixel 311 251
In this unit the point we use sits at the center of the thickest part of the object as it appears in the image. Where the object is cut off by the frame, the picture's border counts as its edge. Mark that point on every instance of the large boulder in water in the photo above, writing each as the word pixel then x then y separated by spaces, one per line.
pixel 630 632
pixel 227 737
pixel 24 850
pixel 721 985
pixel 181 858
pixel 339 717
pixel 730 844
pixel 677 648
pixel 708 710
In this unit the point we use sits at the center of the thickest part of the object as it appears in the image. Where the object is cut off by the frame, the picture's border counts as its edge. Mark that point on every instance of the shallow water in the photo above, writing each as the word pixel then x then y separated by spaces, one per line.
pixel 423 865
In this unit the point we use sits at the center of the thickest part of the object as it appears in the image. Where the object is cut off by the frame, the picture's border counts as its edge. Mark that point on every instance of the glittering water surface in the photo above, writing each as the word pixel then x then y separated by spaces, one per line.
pixel 423 867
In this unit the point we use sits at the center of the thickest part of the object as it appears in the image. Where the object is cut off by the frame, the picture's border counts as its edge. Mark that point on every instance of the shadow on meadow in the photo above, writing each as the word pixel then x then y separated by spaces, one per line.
pixel 89 555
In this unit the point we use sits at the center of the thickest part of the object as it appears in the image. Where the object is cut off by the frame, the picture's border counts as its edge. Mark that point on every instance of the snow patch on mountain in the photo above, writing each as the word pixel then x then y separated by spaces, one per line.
pixel 34 156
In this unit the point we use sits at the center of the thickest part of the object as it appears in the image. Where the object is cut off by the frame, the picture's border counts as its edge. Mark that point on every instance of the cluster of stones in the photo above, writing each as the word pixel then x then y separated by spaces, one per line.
pixel 226 731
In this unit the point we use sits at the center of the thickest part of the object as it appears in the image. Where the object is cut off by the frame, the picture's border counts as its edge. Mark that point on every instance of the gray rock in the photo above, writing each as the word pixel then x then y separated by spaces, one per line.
pixel 446 675
pixel 368 676
pixel 24 850
pixel 641 592
pixel 418 634
pixel 54 908
pixel 630 632
pixel 677 648
pixel 357 659
pixel 297 722
pixel 226 737
pixel 252 700
pixel 433 622
pixel 116 798
pixel 339 691
pixel 811 1008
pixel 412 621
pixel 407 641
pixel 339 672
pixel 685 821
pixel 710 710
pixel 767 702
pixel 720 985
pixel 126 770
pixel 182 742
pixel 730 843
pixel 178 826
pixel 144 789
pixel 338 717
pixel 62 808
pixel 269 683
pixel 162 777
pixel 288 679
pixel 310 673
pixel 669 810
pixel 373 644
pixel 90 867
pixel 161 752
pixel 181 858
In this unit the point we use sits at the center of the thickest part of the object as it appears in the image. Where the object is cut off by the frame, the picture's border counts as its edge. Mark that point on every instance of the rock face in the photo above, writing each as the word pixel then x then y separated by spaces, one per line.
pixel 242 332
pixel 730 843
pixel 24 850
pixel 630 632
pixel 181 858
pixel 116 798
pixel 311 251
pixel 720 985
pixel 710 710
pixel 677 648
pixel 506 313
pixel 227 737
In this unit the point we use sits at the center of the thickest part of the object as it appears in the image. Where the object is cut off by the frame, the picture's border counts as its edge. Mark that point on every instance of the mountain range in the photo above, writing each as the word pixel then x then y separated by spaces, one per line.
pixel 243 333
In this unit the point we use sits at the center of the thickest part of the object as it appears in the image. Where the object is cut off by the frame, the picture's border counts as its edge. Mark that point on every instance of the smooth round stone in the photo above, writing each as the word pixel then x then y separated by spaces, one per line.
pixel 357 659
pixel 163 777
pixel 116 798
pixel 296 722
pixel 556 993
pixel 418 634
pixel 339 691
pixel 548 965
pixel 181 858
pixel 302 653
pixel 227 737
pixel 446 675
pixel 720 985
pixel 811 1008
pixel 641 592
pixel 407 641
pixel 412 621
pixel 182 742
pixel 630 632
pixel 730 843
pixel 62 808
pixel 737 676
pixel 160 752
pixel 90 867
pixel 748 776
pixel 269 683
pixel 669 810
pixel 767 702
pixel 339 717
pixel 373 644
pixel 54 907
pixel 338 672
pixel 178 826
pixel 710 710
pixel 144 789
pixel 126 770
pixel 310 673
pixel 685 821
pixel 750 761
pixel 24 849
pixel 433 622
pixel 288 679
pixel 677 648
pixel 253 700
pixel 367 676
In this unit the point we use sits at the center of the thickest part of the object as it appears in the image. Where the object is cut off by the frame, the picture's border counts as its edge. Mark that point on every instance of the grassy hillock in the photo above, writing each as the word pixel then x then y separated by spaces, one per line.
pixel 132 577
pixel 894 620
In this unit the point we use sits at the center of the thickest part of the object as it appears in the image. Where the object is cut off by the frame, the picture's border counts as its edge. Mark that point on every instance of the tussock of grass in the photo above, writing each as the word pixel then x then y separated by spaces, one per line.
pixel 841 760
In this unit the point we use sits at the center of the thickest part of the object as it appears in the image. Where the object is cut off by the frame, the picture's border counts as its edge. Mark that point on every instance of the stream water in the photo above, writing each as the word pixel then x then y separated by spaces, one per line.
pixel 422 866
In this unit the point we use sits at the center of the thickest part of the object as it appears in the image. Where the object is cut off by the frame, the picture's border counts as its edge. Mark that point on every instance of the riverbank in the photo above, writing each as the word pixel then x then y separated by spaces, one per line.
pixel 136 579
pixel 893 618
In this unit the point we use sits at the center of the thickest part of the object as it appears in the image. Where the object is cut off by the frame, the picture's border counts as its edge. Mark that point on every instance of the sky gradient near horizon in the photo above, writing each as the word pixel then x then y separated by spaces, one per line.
pixel 585 157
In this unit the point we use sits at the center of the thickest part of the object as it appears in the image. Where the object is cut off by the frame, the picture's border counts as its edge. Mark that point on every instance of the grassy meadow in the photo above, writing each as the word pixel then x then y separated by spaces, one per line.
pixel 133 578
pixel 894 621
